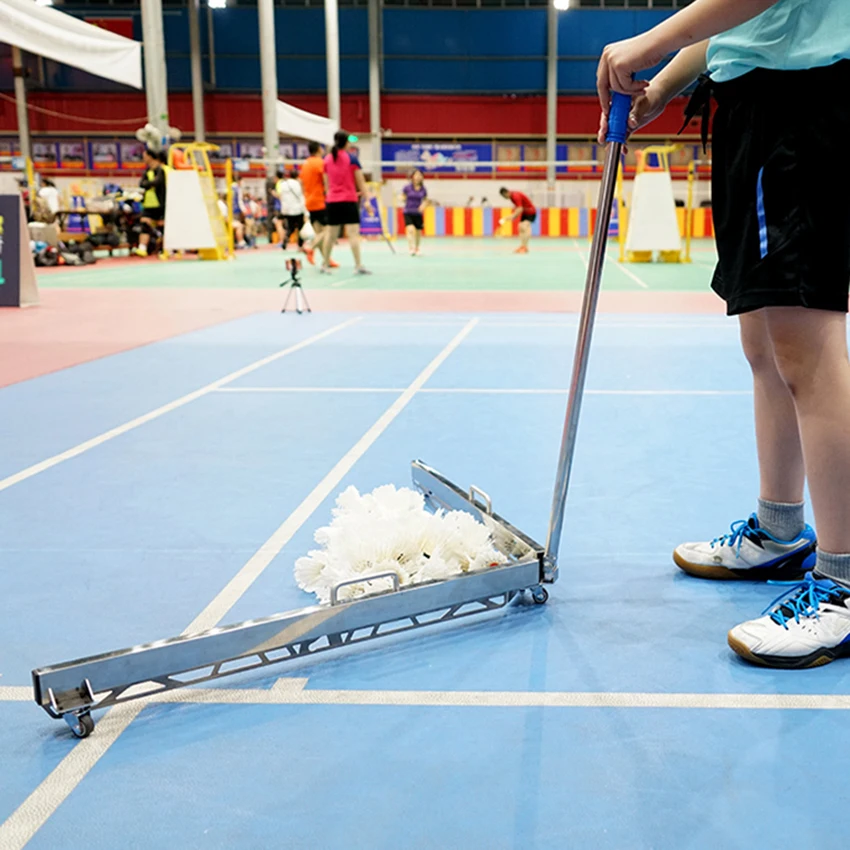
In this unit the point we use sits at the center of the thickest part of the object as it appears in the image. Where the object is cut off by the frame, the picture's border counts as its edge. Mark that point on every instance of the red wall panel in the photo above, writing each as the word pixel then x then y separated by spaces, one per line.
pixel 120 26
pixel 404 115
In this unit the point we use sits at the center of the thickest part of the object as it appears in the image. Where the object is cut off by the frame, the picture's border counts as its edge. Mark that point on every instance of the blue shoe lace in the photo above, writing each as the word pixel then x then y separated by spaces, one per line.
pixel 739 531
pixel 803 599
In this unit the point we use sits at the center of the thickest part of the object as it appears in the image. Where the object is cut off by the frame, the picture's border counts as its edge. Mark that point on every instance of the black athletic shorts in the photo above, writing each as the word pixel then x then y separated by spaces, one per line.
pixel 294 223
pixel 342 213
pixel 416 220
pixel 530 217
pixel 153 213
pixel 319 217
pixel 779 189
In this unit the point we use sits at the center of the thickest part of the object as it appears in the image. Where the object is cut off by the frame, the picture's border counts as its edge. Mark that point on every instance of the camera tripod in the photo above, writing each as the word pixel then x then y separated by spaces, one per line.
pixel 295 288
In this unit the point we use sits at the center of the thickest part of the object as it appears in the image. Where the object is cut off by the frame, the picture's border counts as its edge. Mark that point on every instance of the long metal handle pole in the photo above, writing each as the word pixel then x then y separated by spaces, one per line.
pixel 585 333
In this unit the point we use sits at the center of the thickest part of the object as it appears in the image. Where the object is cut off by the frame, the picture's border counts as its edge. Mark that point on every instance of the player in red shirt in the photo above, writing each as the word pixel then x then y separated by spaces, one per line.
pixel 525 211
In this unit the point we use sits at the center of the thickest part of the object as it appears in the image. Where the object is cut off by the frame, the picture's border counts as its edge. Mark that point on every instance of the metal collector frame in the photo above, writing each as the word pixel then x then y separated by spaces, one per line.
pixel 73 689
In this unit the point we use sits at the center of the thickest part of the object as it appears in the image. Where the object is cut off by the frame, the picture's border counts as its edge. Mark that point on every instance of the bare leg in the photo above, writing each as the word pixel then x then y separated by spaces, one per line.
pixel 280 230
pixel 524 233
pixel 410 230
pixel 145 237
pixel 318 240
pixel 352 231
pixel 811 355
pixel 418 240
pixel 780 453
pixel 331 236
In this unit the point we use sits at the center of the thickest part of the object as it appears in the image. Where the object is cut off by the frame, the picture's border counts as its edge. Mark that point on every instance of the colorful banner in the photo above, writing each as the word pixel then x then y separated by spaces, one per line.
pixel 614 221
pixel 10 291
pixel 104 155
pixel 45 154
pixel 294 150
pixel 445 157
pixel 551 222
pixel 10 148
pixel 224 152
pixel 370 217
pixel 132 155
pixel 72 155
pixel 251 150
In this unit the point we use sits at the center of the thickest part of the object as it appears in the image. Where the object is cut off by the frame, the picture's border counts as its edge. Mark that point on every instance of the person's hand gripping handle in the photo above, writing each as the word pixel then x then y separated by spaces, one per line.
pixel 618 118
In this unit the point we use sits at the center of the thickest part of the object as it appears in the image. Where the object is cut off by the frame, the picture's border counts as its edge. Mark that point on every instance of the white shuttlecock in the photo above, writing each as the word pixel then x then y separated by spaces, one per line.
pixel 389 531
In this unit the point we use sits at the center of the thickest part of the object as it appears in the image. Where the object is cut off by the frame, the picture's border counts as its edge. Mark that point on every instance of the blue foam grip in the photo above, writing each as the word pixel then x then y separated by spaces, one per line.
pixel 618 118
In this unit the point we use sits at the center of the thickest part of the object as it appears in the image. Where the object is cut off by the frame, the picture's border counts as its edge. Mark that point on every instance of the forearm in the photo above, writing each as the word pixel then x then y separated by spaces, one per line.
pixel 682 70
pixel 703 19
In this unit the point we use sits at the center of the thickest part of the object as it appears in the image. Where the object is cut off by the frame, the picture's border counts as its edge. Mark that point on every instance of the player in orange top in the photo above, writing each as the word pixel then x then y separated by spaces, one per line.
pixel 525 211
pixel 314 181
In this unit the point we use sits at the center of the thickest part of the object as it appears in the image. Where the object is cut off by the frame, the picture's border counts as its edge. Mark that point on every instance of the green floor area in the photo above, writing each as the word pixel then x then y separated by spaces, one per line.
pixel 485 264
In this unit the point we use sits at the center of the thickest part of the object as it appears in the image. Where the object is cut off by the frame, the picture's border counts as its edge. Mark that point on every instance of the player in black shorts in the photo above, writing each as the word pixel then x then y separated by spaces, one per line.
pixel 414 196
pixel 525 211
pixel 778 71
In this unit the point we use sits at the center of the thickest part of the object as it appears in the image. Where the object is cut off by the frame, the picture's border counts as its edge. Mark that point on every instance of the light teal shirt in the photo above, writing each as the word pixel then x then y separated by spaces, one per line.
pixel 789 36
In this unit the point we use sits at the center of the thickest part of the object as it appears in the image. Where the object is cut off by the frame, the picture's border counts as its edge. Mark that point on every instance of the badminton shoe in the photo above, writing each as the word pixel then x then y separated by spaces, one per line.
pixel 749 552
pixel 521 250
pixel 333 264
pixel 808 626
pixel 310 254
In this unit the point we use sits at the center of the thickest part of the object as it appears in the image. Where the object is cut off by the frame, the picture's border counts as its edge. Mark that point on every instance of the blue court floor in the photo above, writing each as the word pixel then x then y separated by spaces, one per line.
pixel 133 489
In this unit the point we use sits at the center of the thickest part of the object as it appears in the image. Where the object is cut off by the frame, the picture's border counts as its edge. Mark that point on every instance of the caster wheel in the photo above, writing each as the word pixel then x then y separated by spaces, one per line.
pixel 81 725
pixel 540 595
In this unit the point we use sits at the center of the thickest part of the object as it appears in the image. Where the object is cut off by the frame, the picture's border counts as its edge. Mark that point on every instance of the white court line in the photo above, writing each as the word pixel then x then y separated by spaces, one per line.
pixel 631 274
pixel 601 324
pixel 546 391
pixel 585 261
pixel 35 469
pixel 396 390
pixel 293 691
pixel 15 693
pixel 381 323
pixel 31 815
pixel 484 391
pixel 345 280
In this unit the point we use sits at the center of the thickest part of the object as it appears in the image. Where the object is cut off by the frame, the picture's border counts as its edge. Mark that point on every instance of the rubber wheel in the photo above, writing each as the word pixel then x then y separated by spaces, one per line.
pixel 540 595
pixel 85 726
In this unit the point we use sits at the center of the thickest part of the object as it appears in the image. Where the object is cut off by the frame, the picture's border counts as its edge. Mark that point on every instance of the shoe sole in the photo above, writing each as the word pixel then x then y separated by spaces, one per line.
pixel 803 662
pixel 797 565
pixel 704 570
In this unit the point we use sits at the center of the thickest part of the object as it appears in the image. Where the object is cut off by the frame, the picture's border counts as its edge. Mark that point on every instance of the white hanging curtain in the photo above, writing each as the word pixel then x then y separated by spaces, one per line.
pixel 48 32
pixel 292 121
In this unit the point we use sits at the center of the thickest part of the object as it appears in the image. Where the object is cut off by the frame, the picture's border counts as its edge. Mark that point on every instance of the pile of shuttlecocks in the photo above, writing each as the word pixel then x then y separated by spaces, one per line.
pixel 390 531
pixel 155 139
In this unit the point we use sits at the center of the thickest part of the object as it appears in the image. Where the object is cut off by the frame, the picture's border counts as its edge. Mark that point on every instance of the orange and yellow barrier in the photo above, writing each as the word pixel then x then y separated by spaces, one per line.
pixel 551 221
